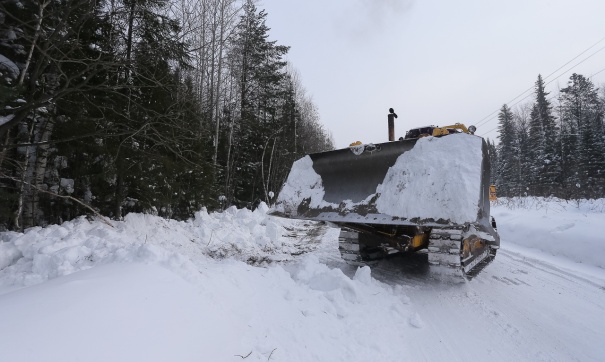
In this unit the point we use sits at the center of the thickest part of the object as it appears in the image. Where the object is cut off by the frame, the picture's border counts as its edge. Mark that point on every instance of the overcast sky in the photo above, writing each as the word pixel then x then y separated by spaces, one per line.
pixel 434 61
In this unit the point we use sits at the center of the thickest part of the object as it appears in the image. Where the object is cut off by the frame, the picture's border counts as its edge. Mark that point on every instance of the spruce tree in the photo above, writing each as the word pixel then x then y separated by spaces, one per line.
pixel 493 160
pixel 507 154
pixel 582 139
pixel 258 66
pixel 546 166
pixel 524 145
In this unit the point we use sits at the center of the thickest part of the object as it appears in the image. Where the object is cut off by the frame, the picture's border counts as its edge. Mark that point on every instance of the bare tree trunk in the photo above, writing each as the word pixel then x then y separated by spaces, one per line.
pixel 211 86
pixel 119 159
pixel 203 60
pixel 18 213
pixel 262 163
pixel 33 46
pixel 39 161
pixel 229 145
pixel 270 173
pixel 17 216
pixel 4 148
pixel 223 25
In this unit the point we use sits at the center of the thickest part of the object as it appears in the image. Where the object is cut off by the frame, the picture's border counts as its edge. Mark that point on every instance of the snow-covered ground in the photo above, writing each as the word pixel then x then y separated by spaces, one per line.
pixel 245 286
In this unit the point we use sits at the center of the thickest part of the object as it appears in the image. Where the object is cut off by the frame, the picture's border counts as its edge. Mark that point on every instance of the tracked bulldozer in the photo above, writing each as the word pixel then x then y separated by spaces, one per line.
pixel 427 192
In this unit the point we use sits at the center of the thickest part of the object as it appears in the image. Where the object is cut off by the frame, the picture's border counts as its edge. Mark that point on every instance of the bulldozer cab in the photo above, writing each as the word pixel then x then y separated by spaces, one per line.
pixel 419 132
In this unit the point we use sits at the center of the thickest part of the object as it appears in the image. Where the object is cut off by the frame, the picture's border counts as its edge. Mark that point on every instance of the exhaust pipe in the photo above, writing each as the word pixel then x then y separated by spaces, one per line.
pixel 392 115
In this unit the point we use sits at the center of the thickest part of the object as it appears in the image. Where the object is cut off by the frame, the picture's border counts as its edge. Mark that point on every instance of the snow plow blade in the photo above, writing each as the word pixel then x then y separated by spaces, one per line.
pixel 394 191
pixel 349 176
pixel 429 181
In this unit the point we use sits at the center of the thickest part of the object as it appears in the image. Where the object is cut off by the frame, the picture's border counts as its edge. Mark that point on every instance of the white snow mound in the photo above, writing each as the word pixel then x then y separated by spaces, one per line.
pixel 41 254
pixel 302 183
pixel 442 177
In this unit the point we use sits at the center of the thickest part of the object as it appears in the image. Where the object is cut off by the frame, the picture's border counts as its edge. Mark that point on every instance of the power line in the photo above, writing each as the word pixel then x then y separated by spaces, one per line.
pixel 495 128
pixel 592 46
pixel 484 120
pixel 602 70
pixel 489 116
pixel 585 59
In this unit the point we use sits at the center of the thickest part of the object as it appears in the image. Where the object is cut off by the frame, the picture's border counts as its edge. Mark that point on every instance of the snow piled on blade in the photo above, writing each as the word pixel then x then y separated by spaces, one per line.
pixel 302 183
pixel 438 178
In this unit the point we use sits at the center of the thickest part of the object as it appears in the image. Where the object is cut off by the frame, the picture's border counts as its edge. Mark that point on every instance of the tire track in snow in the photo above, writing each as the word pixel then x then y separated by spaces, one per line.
pixel 517 308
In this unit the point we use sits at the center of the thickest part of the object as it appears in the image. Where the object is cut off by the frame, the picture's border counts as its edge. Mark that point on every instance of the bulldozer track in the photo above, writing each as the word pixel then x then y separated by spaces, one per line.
pixel 351 251
pixel 446 251
pixel 446 254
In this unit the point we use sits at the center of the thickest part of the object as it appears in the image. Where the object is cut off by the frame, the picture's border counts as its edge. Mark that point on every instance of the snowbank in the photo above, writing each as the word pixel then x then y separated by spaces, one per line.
pixel 41 254
pixel 147 289
pixel 568 229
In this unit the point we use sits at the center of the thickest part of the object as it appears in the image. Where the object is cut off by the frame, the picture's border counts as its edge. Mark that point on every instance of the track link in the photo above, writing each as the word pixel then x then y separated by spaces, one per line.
pixel 353 253
pixel 458 252
pixel 348 245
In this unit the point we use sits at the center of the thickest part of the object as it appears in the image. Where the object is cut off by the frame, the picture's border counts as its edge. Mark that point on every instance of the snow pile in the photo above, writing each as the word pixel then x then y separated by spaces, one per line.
pixel 142 312
pixel 445 173
pixel 556 227
pixel 302 183
pixel 146 290
pixel 45 253
pixel 117 312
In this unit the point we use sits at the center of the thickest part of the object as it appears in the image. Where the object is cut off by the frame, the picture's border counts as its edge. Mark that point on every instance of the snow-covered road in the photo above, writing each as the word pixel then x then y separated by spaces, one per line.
pixel 517 309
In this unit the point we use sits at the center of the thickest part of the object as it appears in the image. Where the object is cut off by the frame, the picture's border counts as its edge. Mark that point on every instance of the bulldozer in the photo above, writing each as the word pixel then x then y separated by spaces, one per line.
pixel 427 192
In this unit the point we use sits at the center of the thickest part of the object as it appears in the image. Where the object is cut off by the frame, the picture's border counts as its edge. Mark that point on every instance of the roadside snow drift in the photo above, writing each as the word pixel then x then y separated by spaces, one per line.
pixel 151 289
pixel 569 229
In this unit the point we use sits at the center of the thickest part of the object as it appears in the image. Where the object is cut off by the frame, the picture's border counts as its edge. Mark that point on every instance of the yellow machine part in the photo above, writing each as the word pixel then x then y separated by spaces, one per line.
pixel 492 193
pixel 441 131
pixel 419 241
pixel 472 246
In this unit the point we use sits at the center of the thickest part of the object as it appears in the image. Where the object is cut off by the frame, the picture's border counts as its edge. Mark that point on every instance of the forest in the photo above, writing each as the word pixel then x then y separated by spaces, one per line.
pixel 553 146
pixel 165 107
pixel 156 106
